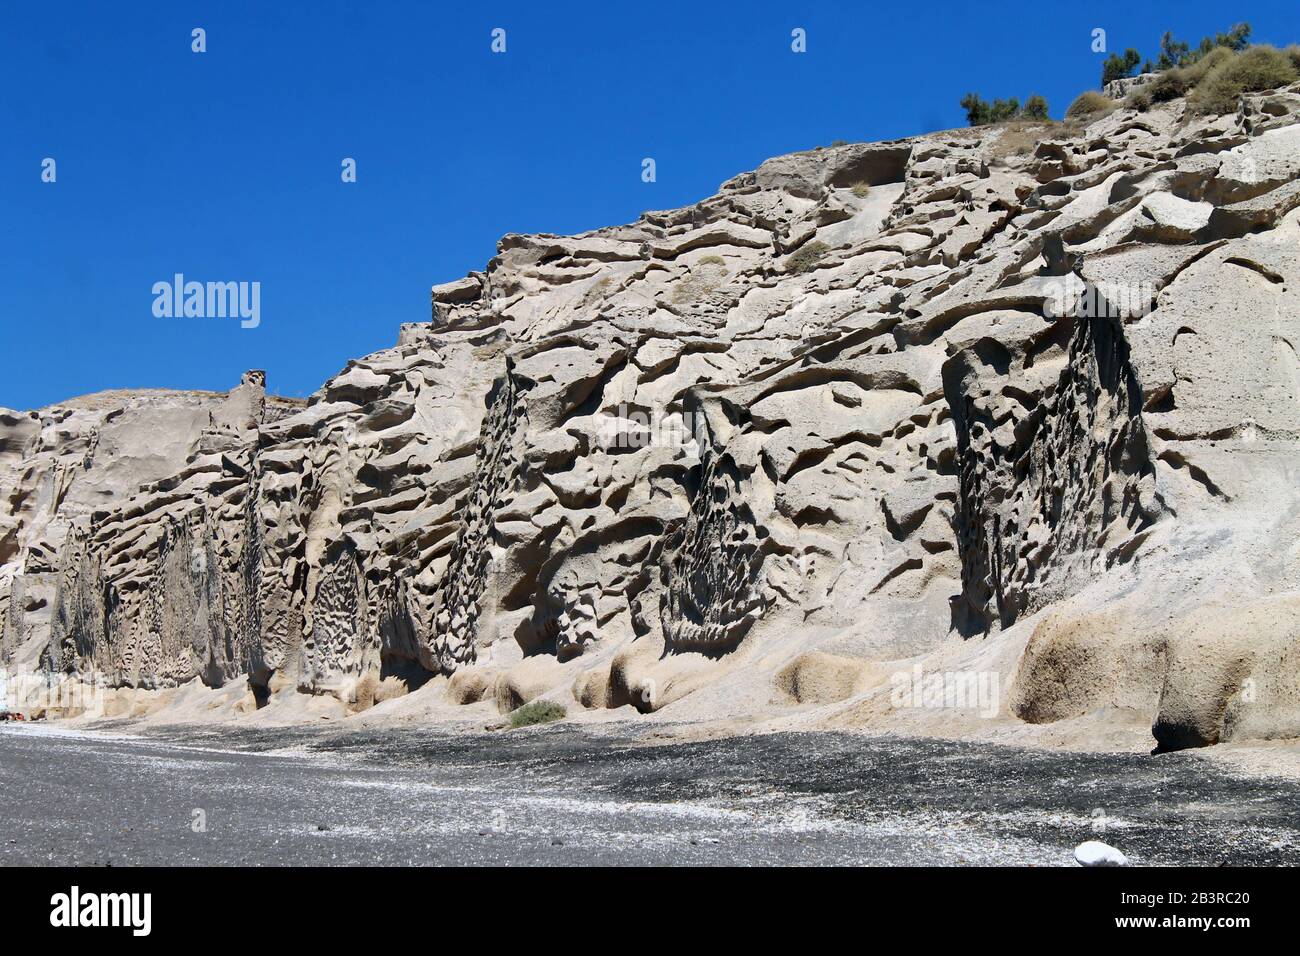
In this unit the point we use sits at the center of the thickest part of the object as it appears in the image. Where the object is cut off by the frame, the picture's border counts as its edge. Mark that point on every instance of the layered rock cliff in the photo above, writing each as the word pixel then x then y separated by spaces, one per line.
pixel 869 405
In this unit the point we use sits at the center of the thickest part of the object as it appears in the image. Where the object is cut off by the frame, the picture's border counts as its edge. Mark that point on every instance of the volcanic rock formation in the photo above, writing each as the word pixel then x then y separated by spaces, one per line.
pixel 868 403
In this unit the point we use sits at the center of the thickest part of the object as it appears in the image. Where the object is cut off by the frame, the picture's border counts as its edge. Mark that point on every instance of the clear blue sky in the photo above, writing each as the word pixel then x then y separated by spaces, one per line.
pixel 226 165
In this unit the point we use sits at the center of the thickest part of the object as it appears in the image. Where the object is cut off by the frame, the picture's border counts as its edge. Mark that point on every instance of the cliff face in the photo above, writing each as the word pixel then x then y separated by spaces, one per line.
pixel 871 403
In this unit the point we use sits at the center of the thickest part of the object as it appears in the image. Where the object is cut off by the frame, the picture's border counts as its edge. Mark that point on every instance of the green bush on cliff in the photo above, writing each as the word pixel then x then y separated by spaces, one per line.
pixel 979 112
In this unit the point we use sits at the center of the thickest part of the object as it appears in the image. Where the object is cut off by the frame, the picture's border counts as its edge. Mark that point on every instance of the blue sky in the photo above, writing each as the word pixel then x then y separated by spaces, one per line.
pixel 225 165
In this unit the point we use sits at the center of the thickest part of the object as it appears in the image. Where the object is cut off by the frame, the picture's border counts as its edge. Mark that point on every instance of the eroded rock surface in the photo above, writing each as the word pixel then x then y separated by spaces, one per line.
pixel 868 403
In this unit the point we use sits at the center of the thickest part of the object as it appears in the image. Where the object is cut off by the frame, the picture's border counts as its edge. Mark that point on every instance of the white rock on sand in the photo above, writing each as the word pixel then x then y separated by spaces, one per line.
pixel 1096 853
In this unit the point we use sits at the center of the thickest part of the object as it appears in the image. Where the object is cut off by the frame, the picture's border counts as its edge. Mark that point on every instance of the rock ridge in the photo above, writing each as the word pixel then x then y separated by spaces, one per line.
pixel 1020 398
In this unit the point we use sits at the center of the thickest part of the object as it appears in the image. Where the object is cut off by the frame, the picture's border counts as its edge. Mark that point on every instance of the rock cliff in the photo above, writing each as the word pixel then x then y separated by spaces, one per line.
pixel 1019 398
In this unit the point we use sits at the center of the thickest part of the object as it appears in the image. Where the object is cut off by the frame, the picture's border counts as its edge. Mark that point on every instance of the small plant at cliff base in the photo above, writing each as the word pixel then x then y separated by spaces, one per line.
pixel 538 712
pixel 806 257
pixel 1259 68
pixel 861 189
pixel 1089 105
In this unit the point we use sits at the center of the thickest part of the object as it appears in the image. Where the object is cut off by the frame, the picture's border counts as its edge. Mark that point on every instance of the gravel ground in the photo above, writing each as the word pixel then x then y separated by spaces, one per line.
pixel 567 795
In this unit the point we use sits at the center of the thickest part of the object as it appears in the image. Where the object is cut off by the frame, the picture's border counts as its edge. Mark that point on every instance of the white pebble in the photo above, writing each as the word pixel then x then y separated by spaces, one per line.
pixel 1096 853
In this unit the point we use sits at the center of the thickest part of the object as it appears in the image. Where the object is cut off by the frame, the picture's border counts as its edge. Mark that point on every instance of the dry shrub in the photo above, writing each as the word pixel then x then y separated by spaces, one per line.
pixel 806 257
pixel 1259 68
pixel 1089 105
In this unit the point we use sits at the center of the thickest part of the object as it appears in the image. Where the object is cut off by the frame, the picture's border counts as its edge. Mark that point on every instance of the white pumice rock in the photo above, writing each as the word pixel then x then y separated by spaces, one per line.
pixel 1096 853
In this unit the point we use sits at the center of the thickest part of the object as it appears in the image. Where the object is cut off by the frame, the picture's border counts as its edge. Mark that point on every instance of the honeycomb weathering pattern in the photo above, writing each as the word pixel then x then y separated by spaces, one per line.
pixel 903 444
pixel 713 593
pixel 1076 464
